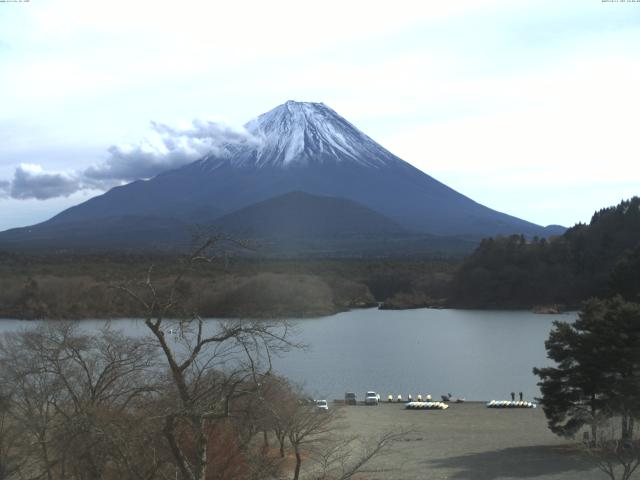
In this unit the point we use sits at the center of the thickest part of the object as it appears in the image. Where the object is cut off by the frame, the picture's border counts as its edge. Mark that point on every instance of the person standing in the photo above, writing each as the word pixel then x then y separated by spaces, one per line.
pixel 520 396
pixel 513 396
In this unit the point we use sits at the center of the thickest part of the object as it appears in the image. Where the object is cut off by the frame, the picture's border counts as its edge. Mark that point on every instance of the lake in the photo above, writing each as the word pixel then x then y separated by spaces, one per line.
pixel 473 354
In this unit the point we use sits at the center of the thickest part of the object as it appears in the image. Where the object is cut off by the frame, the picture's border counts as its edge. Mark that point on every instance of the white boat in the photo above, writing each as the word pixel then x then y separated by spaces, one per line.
pixel 510 404
pixel 426 406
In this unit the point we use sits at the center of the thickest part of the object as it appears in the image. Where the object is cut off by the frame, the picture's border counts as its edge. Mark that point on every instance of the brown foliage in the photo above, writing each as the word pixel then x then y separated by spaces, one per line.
pixel 79 286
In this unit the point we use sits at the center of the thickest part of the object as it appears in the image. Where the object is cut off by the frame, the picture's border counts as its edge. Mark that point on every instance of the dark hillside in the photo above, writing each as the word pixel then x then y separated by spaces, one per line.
pixel 300 214
pixel 598 259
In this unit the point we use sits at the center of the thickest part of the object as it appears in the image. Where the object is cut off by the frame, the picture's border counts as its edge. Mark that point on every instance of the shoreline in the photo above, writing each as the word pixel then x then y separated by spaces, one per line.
pixel 311 315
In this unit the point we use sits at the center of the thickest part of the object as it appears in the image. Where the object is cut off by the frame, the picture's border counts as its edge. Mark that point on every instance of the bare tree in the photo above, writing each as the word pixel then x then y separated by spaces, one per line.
pixel 308 428
pixel 34 396
pixel 211 364
pixel 72 392
pixel 341 459
pixel 11 459
pixel 316 435
pixel 279 402
pixel 616 449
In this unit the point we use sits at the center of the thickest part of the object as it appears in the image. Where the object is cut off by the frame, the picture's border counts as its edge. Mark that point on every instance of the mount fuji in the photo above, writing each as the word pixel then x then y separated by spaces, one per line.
pixel 296 147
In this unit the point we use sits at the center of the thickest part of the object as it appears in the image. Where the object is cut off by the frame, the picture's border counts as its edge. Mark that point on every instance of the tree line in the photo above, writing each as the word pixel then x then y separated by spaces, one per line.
pixel 600 259
pixel 75 287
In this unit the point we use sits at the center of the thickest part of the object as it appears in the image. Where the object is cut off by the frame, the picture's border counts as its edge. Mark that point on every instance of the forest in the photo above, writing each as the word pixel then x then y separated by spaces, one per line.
pixel 81 286
pixel 600 259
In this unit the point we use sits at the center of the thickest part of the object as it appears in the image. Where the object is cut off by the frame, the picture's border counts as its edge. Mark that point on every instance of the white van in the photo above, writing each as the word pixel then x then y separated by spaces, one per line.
pixel 371 398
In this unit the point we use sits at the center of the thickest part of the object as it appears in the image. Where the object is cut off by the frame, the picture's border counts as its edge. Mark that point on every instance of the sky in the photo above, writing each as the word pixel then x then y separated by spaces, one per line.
pixel 528 107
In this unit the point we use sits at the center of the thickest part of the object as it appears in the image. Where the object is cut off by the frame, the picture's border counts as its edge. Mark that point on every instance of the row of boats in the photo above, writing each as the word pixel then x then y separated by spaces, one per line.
pixel 399 399
pixel 492 404
pixel 426 398
pixel 426 405
pixel 510 404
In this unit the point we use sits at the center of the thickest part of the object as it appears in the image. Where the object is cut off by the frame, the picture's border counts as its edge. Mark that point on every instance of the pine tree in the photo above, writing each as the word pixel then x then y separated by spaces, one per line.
pixel 598 369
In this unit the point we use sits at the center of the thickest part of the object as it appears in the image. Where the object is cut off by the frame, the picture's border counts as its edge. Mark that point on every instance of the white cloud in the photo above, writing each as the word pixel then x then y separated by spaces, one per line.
pixel 164 148
pixel 31 181
pixel 5 187
pixel 565 133
pixel 79 49
pixel 460 88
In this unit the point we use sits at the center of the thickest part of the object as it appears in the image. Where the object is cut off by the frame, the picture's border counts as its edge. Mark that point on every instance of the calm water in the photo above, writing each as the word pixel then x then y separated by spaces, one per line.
pixel 478 355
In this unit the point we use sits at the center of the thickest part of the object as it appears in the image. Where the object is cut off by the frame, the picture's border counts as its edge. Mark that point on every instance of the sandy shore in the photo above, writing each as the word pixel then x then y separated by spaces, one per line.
pixel 469 442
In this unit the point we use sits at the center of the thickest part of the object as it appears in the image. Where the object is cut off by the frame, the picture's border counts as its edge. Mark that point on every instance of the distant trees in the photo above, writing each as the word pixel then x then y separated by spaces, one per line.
pixel 599 259
pixel 625 278
pixel 509 272
pixel 597 377
pixel 29 304
pixel 74 287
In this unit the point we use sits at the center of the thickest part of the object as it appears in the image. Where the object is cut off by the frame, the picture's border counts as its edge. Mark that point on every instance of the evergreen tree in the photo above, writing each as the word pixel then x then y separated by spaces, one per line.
pixel 625 278
pixel 595 260
pixel 598 369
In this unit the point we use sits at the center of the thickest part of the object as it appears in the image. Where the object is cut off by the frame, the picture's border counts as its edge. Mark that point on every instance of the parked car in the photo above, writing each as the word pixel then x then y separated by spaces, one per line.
pixel 322 405
pixel 350 398
pixel 371 398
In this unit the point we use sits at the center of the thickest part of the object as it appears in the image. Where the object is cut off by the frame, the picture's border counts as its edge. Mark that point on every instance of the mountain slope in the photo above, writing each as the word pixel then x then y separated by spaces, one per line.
pixel 301 147
pixel 299 214
pixel 116 233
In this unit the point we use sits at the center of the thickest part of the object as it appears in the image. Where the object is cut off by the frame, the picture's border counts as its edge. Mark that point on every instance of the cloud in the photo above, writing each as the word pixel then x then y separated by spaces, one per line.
pixel 165 148
pixel 31 181
pixel 5 187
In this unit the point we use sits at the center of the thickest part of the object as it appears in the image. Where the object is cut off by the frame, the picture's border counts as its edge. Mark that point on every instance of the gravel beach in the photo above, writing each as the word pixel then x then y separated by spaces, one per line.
pixel 468 442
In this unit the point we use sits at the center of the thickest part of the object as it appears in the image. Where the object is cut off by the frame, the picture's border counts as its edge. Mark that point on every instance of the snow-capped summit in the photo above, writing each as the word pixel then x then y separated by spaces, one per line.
pixel 303 133
pixel 296 147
